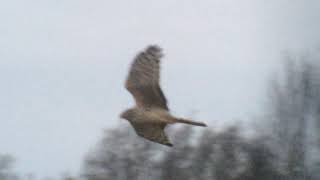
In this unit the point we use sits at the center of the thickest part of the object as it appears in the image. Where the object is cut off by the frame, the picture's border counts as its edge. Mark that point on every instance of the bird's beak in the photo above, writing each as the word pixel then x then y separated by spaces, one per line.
pixel 122 115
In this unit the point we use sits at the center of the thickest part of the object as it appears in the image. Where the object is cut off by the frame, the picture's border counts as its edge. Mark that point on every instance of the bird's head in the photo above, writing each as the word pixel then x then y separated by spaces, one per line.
pixel 127 114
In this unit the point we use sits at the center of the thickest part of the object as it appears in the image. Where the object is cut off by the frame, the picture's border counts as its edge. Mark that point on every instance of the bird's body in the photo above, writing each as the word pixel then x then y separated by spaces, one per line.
pixel 154 115
pixel 151 114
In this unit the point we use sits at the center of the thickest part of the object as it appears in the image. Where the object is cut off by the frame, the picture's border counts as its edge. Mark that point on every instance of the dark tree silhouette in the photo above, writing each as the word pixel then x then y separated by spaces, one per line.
pixel 224 155
pixel 294 107
pixel 175 163
pixel 6 164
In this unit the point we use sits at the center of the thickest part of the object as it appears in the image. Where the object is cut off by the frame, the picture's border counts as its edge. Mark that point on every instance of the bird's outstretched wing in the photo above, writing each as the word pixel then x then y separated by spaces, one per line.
pixel 143 79
pixel 152 131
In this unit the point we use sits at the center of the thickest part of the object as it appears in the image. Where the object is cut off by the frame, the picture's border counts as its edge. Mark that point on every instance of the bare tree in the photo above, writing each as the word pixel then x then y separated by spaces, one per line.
pixel 202 160
pixel 224 155
pixel 175 163
pixel 228 153
pixel 120 155
pixel 260 161
pixel 295 106
pixel 6 164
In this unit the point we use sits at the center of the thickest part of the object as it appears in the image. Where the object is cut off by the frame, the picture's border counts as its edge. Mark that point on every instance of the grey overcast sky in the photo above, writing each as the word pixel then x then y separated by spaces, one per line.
pixel 63 65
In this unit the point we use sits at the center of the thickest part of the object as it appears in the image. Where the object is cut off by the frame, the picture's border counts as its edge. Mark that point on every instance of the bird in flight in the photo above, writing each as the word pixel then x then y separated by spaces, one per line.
pixel 151 114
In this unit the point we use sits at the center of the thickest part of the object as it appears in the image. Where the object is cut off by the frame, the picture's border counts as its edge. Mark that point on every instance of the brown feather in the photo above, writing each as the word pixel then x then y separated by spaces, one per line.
pixel 143 79
pixel 151 114
pixel 152 131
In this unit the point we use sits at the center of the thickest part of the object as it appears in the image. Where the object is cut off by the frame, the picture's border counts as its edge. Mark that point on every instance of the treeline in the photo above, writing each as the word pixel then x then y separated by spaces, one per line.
pixel 6 164
pixel 224 155
pixel 285 146
pixel 211 155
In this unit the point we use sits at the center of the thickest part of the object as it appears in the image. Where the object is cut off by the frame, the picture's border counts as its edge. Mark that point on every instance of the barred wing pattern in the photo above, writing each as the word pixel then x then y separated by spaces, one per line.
pixel 143 79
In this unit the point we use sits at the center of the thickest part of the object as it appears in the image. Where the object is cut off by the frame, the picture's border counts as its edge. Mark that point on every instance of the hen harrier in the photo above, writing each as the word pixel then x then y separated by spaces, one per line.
pixel 151 114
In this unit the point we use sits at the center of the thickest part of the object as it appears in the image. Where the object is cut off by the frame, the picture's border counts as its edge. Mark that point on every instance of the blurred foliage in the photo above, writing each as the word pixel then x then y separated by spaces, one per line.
pixel 286 151
pixel 295 110
pixel 212 155
pixel 6 164
pixel 285 147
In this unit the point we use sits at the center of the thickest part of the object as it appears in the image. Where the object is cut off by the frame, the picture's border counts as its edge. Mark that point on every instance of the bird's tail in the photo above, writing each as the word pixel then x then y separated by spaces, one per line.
pixel 186 121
